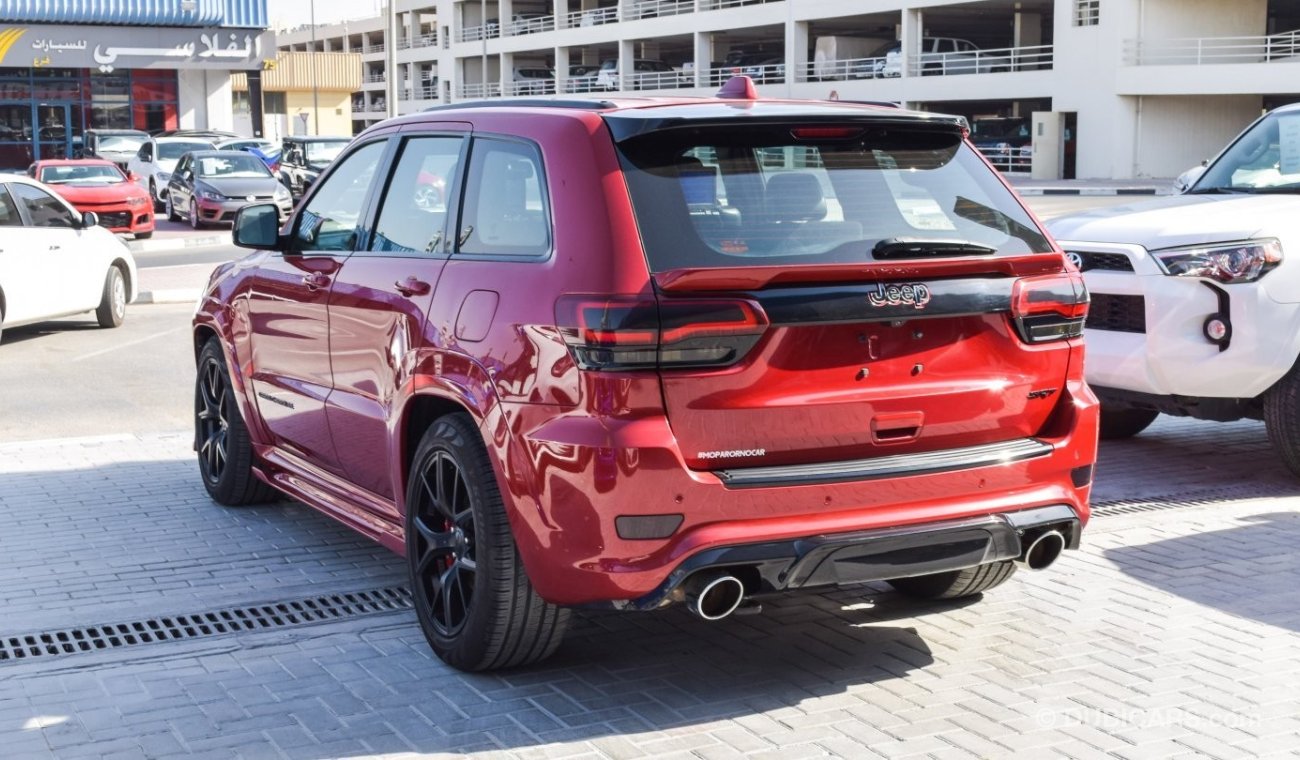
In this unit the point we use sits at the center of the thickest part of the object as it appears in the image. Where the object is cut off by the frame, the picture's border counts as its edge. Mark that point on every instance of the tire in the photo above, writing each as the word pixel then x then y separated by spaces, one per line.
pixel 473 599
pixel 1117 424
pixel 1282 419
pixel 170 207
pixel 225 452
pixel 111 311
pixel 193 214
pixel 153 194
pixel 956 584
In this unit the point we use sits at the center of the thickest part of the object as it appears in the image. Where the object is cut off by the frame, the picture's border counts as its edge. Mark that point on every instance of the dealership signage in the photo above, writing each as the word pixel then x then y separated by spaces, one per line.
pixel 105 48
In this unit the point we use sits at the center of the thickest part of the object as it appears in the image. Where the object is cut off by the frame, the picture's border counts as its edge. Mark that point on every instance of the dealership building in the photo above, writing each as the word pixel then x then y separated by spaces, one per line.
pixel 66 67
pixel 1085 88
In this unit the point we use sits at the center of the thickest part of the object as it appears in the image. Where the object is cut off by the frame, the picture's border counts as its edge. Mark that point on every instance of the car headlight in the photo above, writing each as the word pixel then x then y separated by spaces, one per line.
pixel 134 202
pixel 282 194
pixel 208 195
pixel 1246 261
pixel 164 177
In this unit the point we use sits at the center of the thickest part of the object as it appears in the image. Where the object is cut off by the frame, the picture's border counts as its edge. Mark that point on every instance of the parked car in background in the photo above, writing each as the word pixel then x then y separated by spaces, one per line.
pixel 302 159
pixel 647 74
pixel 534 81
pixel 56 261
pixel 116 145
pixel 92 184
pixel 152 165
pixel 244 143
pixel 941 55
pixel 1196 297
pixel 1006 141
pixel 270 156
pixel 209 186
pixel 694 357
pixel 583 78
pixel 211 135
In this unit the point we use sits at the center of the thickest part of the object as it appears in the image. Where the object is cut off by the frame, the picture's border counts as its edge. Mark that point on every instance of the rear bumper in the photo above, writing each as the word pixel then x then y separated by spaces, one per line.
pixel 873 555
pixel 570 483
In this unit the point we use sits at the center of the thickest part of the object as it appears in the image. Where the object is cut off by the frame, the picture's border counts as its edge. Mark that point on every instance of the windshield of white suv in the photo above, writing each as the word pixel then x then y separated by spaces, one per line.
pixel 170 151
pixel 1266 159
pixel 785 195
pixel 121 143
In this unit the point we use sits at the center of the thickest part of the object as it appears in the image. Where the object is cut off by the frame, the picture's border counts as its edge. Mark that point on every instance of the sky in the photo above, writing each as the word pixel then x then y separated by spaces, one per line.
pixel 291 13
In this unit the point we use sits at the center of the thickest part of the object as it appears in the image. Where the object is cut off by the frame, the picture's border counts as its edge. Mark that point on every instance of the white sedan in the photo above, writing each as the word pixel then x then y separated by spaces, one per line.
pixel 56 261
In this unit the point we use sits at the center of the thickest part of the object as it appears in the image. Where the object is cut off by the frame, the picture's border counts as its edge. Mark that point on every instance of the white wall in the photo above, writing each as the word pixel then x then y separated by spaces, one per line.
pixel 1165 19
pixel 205 99
pixel 1179 132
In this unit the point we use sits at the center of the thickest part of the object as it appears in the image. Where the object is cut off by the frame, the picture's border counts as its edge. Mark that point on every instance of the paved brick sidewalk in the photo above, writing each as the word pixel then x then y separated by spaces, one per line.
pixel 1175 633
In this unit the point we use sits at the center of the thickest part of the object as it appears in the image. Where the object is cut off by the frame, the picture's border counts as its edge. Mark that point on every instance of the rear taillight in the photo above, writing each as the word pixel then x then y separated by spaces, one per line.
pixel 1049 308
pixel 632 332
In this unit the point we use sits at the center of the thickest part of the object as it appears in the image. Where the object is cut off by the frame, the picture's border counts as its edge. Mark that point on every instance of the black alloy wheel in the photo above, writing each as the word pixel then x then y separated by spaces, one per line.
pixel 226 456
pixel 445 567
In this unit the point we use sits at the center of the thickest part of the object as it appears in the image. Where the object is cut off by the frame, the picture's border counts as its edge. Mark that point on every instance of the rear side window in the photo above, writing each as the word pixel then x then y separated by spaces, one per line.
pixel 505 210
pixel 414 215
pixel 44 209
pixel 8 211
pixel 770 195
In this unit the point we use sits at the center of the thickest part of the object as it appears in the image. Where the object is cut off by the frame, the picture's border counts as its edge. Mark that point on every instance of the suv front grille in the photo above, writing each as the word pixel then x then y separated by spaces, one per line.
pixel 1117 313
pixel 1111 262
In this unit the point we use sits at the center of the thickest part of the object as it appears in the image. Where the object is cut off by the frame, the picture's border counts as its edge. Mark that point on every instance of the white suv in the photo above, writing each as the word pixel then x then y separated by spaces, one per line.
pixel 1196 298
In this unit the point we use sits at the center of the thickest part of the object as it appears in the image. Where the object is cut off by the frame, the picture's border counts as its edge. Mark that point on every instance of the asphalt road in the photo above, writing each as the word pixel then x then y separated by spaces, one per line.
pixel 71 378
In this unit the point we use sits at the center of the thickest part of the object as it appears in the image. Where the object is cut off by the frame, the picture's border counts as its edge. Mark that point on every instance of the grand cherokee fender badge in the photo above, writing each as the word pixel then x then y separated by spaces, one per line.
pixel 914 294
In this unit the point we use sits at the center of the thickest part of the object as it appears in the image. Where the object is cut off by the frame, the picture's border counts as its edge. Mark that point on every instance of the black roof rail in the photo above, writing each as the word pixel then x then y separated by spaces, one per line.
pixel 574 103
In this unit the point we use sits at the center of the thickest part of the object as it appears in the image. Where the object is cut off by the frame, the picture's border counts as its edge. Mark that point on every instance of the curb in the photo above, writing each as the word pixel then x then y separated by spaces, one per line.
pixel 173 295
pixel 175 244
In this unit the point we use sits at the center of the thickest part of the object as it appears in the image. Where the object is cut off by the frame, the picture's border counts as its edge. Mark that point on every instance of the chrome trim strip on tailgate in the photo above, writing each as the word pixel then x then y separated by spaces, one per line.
pixel 926 463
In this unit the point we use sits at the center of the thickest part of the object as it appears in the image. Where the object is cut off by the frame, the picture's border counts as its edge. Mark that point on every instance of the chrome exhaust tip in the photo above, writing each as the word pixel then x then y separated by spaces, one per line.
pixel 718 598
pixel 1042 551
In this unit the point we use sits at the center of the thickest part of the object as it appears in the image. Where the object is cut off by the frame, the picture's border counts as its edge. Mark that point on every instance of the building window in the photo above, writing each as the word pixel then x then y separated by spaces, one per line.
pixel 1087 12
pixel 274 102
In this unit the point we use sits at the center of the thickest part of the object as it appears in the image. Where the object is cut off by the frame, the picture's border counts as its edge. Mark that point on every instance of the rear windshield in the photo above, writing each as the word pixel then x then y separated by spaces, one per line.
pixel 760 195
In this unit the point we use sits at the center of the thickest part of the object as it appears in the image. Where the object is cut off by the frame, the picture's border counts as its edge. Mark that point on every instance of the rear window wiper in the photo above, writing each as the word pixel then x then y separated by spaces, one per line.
pixel 924 248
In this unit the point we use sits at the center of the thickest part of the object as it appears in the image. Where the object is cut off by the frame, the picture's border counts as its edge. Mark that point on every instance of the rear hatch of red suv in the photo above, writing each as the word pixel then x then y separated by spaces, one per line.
pixel 833 285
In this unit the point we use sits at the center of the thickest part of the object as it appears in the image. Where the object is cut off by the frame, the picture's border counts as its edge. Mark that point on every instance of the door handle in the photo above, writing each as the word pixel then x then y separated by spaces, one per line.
pixel 411 287
pixel 316 281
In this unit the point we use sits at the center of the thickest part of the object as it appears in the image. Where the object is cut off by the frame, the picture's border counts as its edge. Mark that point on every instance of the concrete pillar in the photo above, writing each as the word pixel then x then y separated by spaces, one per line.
pixel 703 57
pixel 507 73
pixel 561 68
pixel 204 99
pixel 505 9
pixel 1028 30
pixel 910 32
pixel 626 59
pixel 796 53
pixel 561 16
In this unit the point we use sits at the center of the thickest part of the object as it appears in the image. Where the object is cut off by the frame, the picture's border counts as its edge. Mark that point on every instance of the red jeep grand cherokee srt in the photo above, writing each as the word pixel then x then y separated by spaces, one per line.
pixel 652 351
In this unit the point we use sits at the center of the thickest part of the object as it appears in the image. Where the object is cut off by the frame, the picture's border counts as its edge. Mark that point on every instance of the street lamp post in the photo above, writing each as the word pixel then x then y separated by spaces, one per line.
pixel 315 93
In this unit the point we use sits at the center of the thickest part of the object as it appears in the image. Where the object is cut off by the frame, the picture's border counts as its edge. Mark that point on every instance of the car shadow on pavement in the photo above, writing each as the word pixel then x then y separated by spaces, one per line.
pixel 1251 571
pixel 40 329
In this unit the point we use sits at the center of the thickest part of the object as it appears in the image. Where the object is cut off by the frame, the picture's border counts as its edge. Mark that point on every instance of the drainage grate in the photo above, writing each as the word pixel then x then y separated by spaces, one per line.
pixel 178 627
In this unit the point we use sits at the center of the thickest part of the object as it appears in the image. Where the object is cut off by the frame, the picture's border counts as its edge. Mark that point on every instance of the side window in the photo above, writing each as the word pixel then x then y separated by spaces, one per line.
pixel 332 218
pixel 506 211
pixel 44 209
pixel 182 166
pixel 8 211
pixel 146 152
pixel 414 215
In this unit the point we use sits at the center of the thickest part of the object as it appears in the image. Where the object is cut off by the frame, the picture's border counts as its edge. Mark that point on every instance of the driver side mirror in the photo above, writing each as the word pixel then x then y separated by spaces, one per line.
pixel 132 177
pixel 258 226
pixel 89 219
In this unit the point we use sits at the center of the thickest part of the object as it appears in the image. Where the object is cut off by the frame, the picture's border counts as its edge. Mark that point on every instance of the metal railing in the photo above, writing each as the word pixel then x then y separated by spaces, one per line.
pixel 378 105
pixel 530 87
pixel 1010 160
pixel 593 17
pixel 373 79
pixel 531 26
pixel 585 83
pixel 479 90
pixel 761 74
pixel 425 92
pixel 656 8
pixel 1034 58
pixel 425 40
pixel 378 47
pixel 481 32
pixel 713 5
pixel 1210 50
pixel 658 80
pixel 836 70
